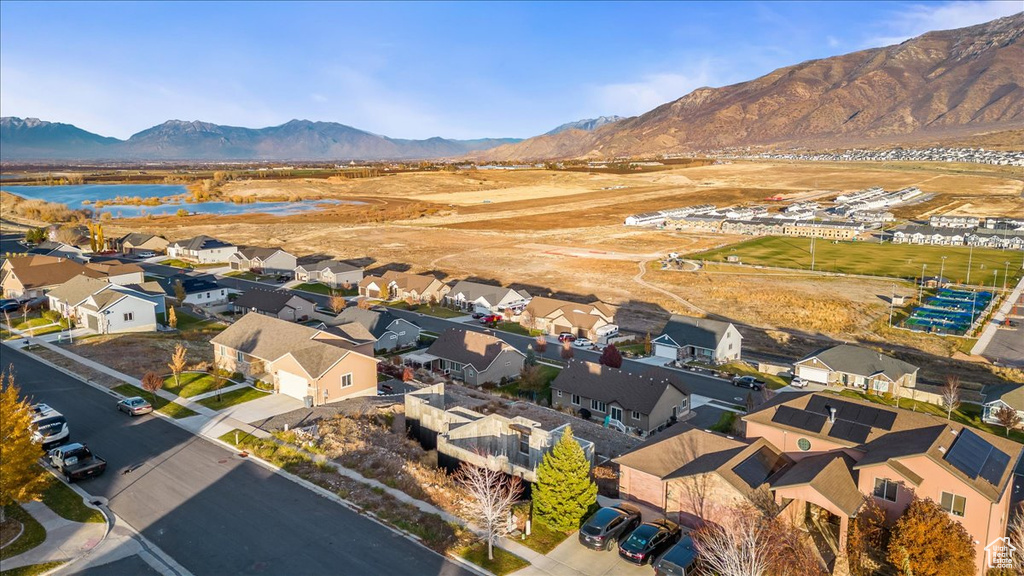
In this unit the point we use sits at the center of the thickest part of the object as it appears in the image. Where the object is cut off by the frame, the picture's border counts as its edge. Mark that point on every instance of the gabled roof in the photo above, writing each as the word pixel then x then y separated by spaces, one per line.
pixel 1010 394
pixel 375 321
pixel 191 284
pixel 107 298
pixel 200 242
pixel 115 268
pixel 335 266
pixel 77 289
pixel 491 294
pixel 702 332
pixel 42 271
pixel 863 361
pixel 272 301
pixel 137 238
pixel 467 347
pixel 681 451
pixel 632 391
pixel 829 474
pixel 585 315
pixel 253 252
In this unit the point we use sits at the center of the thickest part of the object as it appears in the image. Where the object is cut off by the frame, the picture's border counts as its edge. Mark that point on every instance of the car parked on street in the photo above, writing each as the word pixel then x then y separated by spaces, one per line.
pixel 680 560
pixel 76 462
pixel 649 540
pixel 608 526
pixel 566 336
pixel 51 427
pixel 134 406
pixel 582 343
pixel 145 254
pixel 490 318
pixel 748 382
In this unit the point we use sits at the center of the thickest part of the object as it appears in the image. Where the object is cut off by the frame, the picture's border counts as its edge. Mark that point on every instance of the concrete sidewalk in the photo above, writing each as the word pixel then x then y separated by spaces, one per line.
pixel 65 540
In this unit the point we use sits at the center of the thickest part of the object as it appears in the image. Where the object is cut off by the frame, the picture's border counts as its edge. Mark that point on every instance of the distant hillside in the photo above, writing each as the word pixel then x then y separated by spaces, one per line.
pixel 941 85
pixel 33 139
pixel 586 125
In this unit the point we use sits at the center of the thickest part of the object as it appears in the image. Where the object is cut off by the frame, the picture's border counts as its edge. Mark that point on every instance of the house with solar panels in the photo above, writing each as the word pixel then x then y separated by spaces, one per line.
pixel 820 456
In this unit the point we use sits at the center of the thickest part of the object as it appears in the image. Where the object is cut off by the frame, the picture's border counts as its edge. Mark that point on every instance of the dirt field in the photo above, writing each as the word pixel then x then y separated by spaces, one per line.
pixel 561 233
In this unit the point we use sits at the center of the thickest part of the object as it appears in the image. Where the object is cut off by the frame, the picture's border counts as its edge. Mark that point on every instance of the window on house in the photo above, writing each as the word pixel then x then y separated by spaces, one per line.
pixel 576 399
pixel 885 489
pixel 635 415
pixel 240 356
pixel 223 350
pixel 730 345
pixel 953 503
pixel 346 380
pixel 524 444
pixel 598 406
pixel 558 393
pixel 129 316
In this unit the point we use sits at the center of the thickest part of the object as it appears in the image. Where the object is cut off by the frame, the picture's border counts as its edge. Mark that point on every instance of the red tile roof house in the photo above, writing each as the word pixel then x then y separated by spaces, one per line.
pixel 834 452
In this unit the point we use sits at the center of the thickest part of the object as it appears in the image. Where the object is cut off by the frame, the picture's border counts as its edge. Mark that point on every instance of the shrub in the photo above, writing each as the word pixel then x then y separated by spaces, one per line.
pixel 52 315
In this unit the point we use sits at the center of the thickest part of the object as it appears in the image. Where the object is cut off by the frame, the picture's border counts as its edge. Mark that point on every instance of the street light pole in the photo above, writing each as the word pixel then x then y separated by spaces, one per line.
pixel 942 270
pixel 920 287
pixel 1006 270
pixel 995 278
pixel 892 301
pixel 970 256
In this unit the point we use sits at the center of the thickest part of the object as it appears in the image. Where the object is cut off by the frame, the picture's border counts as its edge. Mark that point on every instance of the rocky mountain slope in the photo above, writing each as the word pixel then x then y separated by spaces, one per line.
pixel 586 125
pixel 942 84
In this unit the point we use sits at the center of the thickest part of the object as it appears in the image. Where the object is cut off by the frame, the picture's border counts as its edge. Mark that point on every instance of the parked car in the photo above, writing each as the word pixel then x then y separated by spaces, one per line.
pixel 51 427
pixel 798 382
pixel 748 382
pixel 478 315
pixel 135 406
pixel 609 525
pixel 283 277
pixel 680 560
pixel 649 540
pixel 566 336
pixel 582 343
pixel 145 254
pixel 76 461
pixel 490 318
pixel 7 305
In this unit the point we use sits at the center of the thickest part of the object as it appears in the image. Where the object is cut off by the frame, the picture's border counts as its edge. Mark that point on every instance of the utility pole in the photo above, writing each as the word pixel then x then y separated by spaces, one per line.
pixel 970 256
pixel 920 287
pixel 812 253
pixel 942 269
pixel 892 301
pixel 1006 270
pixel 995 278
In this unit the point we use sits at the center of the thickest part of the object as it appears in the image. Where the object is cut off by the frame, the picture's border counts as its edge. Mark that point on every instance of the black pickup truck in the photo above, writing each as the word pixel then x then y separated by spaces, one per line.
pixel 75 461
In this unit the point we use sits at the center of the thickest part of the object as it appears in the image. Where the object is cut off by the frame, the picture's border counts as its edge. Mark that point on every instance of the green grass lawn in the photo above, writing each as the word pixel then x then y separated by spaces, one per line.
pixel 33 536
pixel 318 288
pixel 176 263
pixel 543 539
pixel 969 414
pixel 242 275
pixel 192 323
pixel 60 498
pixel 725 422
pixel 504 562
pixel 435 311
pixel 513 327
pixel 162 405
pixel 31 569
pixel 886 259
pixel 192 384
pixel 231 398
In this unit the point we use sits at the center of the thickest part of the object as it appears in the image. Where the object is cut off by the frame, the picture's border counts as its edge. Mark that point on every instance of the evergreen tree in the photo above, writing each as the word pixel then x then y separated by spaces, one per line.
pixel 21 477
pixel 564 491
pixel 531 357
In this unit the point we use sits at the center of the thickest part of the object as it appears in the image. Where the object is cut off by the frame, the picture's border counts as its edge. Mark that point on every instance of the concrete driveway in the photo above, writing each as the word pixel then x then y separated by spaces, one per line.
pixel 262 408
pixel 580 560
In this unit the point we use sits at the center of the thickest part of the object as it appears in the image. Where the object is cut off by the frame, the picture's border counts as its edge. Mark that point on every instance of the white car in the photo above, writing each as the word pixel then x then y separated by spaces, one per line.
pixel 145 254
pixel 798 382
pixel 582 343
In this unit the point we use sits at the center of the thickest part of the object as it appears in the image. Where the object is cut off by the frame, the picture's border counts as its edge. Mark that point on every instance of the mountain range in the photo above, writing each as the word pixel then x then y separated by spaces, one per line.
pixel 941 85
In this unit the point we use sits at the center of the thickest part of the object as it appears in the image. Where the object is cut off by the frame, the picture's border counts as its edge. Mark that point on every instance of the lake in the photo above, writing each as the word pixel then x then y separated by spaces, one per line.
pixel 83 195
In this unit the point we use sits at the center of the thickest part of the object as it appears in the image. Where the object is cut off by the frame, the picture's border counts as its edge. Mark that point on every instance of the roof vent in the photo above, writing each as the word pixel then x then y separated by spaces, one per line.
pixel 953 432
pixel 942 449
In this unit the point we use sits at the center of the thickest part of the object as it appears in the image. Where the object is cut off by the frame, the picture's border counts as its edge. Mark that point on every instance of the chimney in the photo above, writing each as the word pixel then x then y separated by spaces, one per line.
pixel 832 415
pixel 829 412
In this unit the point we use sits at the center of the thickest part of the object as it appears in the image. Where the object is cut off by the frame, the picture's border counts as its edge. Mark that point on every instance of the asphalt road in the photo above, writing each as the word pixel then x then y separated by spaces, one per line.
pixel 211 511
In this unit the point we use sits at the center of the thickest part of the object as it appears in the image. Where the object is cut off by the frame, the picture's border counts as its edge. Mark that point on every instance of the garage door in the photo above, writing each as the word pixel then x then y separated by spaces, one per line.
pixel 293 385
pixel 665 351
pixel 645 488
pixel 812 374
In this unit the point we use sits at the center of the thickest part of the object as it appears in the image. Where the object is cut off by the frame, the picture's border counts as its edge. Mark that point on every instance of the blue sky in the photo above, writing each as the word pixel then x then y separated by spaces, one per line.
pixel 416 70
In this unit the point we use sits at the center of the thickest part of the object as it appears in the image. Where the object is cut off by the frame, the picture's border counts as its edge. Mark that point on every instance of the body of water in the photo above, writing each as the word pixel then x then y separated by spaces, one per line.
pixel 84 195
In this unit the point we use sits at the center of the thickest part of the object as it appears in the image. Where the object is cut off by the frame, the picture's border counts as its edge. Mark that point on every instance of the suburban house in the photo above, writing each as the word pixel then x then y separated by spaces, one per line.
pixel 306 363
pixel 485 298
pixel 106 308
pixel 332 273
pixel 643 402
pixel 858 367
pixel 473 357
pixel 389 331
pixel 686 338
pixel 26 277
pixel 1004 395
pixel 262 260
pixel 277 303
pixel 553 316
pixel 515 446
pixel 820 455
pixel 201 250
pixel 686 471
pixel 137 242
pixel 199 291
pixel 929 235
pixel 401 286
pixel 59 250
pixel 117 273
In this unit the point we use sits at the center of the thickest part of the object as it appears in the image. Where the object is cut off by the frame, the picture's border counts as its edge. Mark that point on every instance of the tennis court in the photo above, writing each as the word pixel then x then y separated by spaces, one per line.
pixel 950 311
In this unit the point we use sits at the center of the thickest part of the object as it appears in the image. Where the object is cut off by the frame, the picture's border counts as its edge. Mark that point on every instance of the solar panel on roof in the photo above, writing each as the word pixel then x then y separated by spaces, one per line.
pixel 857 413
pixel 757 467
pixel 974 456
pixel 849 431
pixel 801 419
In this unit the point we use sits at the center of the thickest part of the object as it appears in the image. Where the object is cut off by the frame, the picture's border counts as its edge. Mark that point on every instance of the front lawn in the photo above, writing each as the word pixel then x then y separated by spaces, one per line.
pixel 60 498
pixel 192 384
pixel 231 398
pixel 318 288
pixel 176 263
pixel 513 327
pixel 31 569
pixel 191 323
pixel 435 311
pixel 33 536
pixel 504 562
pixel 162 405
pixel 743 369
pixel 243 275
pixel 543 539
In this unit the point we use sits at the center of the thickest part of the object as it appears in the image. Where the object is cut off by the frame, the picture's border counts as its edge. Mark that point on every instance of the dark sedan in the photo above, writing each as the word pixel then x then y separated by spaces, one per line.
pixel 649 540
pixel 134 406
pixel 609 525
pixel 680 560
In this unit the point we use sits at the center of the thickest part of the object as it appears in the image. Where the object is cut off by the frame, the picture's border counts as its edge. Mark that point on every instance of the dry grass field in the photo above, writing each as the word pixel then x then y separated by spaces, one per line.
pixel 561 233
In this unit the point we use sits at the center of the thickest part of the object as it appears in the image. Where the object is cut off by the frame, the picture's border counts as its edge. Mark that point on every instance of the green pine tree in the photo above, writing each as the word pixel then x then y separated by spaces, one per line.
pixel 564 492
pixel 531 357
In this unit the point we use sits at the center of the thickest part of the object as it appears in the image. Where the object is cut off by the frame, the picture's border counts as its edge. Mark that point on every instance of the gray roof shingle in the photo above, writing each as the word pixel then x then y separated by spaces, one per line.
pixel 863 361
pixel 687 330
pixel 466 347
pixel 632 391
pixel 272 301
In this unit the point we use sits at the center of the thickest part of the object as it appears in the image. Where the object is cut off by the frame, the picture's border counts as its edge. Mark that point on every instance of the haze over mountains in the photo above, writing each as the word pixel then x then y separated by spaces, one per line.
pixel 941 85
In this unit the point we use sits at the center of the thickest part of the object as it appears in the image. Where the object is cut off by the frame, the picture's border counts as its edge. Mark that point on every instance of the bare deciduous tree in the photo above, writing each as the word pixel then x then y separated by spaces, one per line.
pixel 735 545
pixel 567 351
pixel 1015 531
pixel 492 495
pixel 337 303
pixel 177 363
pixel 540 344
pixel 1007 417
pixel 152 382
pixel 951 394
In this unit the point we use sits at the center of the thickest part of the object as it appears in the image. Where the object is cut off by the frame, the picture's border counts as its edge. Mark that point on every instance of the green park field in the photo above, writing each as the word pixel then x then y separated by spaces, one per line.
pixel 869 258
